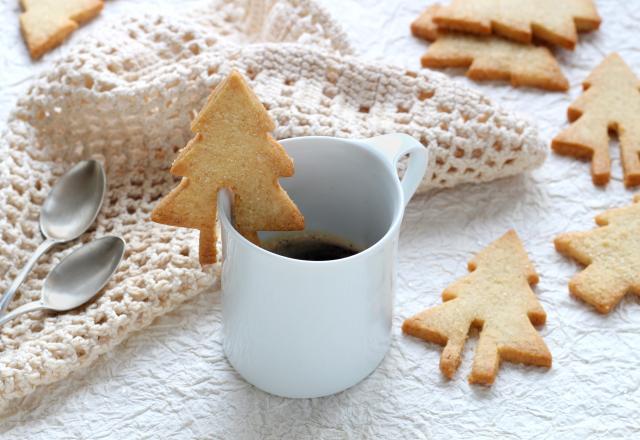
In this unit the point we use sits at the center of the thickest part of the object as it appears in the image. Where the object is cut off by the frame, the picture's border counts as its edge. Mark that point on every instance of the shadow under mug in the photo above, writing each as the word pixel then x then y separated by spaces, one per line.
pixel 299 328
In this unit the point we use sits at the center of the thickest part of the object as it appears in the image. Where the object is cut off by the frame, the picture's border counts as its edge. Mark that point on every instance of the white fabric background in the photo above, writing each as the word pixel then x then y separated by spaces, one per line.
pixel 173 381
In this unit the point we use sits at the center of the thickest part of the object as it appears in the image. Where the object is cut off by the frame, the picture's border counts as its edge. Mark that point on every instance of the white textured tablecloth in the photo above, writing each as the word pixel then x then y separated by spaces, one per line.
pixel 172 379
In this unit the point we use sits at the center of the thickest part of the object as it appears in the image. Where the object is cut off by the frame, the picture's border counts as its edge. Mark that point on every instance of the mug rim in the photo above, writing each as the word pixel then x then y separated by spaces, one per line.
pixel 224 202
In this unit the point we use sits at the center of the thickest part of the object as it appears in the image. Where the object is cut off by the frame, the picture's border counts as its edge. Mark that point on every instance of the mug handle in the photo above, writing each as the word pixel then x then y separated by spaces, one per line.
pixel 394 147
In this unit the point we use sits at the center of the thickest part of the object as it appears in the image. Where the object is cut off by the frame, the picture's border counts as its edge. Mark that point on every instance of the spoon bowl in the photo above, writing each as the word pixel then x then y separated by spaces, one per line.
pixel 82 274
pixel 77 278
pixel 74 202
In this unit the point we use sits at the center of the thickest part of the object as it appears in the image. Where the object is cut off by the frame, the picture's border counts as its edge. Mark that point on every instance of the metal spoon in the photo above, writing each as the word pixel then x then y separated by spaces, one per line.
pixel 77 278
pixel 70 208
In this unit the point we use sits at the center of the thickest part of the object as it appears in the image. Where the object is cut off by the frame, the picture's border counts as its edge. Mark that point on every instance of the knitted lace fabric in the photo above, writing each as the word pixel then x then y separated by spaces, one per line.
pixel 127 97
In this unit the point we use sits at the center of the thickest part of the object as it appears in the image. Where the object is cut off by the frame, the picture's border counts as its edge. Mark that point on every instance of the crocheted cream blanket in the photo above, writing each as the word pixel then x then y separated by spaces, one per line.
pixel 127 96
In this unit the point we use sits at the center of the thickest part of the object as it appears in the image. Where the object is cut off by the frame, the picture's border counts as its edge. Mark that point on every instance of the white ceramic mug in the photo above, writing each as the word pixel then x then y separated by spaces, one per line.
pixel 299 328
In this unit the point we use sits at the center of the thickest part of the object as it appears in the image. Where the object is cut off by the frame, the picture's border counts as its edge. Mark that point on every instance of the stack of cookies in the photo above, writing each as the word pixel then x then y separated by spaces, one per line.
pixel 505 40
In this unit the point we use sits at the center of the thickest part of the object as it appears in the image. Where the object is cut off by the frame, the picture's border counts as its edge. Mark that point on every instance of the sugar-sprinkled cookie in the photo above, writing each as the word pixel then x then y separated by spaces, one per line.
pixel 496 297
pixel 611 101
pixel 46 23
pixel 232 149
pixel 553 21
pixel 611 254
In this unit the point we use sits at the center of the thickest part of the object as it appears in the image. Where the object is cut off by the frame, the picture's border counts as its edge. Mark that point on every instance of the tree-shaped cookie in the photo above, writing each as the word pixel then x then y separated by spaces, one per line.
pixel 496 297
pixel 46 23
pixel 488 57
pixel 611 101
pixel 232 149
pixel 611 254
pixel 553 21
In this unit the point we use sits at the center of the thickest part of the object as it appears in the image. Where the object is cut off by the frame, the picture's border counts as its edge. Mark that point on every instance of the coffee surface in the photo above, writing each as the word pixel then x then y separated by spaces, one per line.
pixel 312 247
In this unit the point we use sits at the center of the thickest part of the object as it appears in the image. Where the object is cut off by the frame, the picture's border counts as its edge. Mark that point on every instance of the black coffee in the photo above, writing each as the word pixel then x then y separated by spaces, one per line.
pixel 312 247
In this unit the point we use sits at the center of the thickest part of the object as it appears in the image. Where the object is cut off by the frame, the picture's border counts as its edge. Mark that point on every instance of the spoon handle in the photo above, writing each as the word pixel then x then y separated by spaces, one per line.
pixel 25 308
pixel 8 295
